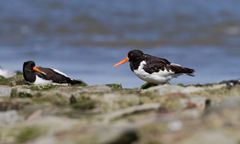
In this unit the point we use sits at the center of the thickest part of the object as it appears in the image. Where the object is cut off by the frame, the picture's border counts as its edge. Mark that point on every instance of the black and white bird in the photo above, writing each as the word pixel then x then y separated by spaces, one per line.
pixel 39 75
pixel 153 69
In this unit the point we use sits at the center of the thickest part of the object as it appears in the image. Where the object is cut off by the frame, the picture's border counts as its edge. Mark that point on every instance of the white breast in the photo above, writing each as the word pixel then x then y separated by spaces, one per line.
pixel 42 81
pixel 160 77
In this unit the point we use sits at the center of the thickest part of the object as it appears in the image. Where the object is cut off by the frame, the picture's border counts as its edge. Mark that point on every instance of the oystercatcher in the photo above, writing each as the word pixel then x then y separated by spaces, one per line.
pixel 40 75
pixel 153 70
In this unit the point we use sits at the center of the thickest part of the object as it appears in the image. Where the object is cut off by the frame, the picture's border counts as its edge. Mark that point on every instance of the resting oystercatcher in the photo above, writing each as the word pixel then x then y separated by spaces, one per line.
pixel 153 70
pixel 40 75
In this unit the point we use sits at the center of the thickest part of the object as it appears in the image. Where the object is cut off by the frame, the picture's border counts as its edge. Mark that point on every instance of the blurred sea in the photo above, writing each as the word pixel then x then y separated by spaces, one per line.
pixel 85 38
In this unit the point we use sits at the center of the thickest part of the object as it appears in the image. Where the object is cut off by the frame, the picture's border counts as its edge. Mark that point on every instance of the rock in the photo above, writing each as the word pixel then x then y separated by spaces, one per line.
pixel 131 110
pixel 194 102
pixel 231 102
pixel 118 134
pixel 5 91
pixel 110 114
pixel 96 89
pixel 167 89
pixel 21 93
pixel 211 137
pixel 175 125
pixel 16 104
pixel 9 118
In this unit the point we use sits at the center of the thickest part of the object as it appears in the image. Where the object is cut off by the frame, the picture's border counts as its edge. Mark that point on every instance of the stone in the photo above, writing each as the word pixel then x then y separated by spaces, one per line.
pixel 9 118
pixel 5 91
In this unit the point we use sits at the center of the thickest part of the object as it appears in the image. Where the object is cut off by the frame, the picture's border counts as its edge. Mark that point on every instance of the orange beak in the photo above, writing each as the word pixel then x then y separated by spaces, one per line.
pixel 121 62
pixel 36 69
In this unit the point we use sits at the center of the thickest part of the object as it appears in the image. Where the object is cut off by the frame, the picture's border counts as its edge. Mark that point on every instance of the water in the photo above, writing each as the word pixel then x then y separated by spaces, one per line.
pixel 85 38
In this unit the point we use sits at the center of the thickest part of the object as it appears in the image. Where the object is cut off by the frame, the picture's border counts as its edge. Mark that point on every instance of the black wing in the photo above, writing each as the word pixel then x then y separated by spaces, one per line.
pixel 155 64
pixel 181 70
pixel 56 77
pixel 148 57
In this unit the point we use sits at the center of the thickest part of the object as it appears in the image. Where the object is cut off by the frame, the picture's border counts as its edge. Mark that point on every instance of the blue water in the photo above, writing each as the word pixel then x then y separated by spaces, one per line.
pixel 94 65
pixel 85 38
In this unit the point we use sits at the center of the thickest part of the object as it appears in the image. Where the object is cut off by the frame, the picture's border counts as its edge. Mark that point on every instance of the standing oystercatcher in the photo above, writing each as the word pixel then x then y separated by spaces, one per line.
pixel 153 70
pixel 40 75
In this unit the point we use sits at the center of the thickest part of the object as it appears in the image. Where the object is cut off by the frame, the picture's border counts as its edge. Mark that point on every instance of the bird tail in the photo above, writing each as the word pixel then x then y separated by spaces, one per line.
pixel 182 70
pixel 77 82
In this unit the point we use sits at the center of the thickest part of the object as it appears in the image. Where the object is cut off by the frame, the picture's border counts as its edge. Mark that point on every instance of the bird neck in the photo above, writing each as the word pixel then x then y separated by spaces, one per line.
pixel 135 64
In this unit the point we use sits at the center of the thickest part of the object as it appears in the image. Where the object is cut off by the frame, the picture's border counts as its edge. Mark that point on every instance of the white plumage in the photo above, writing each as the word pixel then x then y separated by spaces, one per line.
pixel 156 77
pixel 41 81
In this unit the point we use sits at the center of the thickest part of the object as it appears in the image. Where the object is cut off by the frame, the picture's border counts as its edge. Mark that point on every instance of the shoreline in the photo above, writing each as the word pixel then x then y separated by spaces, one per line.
pixel 109 114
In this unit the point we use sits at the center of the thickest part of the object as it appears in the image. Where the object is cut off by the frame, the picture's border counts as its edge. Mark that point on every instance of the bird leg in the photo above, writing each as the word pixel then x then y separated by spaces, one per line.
pixel 148 85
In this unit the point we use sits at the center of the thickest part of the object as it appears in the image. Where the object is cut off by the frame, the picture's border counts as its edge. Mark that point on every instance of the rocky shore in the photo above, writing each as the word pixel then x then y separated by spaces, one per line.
pixel 110 114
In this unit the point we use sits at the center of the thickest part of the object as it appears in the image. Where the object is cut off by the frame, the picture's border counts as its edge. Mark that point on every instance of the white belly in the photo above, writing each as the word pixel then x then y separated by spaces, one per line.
pixel 156 77
pixel 41 81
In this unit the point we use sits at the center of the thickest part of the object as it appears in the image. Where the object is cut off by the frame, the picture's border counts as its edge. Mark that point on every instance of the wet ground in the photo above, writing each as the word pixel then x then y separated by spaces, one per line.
pixel 84 38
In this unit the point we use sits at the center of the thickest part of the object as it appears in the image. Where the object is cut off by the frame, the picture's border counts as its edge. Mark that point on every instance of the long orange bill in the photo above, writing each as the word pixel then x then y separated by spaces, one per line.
pixel 36 69
pixel 121 62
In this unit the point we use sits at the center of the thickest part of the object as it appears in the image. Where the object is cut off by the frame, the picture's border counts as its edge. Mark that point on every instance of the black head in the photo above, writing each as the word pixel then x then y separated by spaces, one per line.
pixel 135 55
pixel 28 72
pixel 29 64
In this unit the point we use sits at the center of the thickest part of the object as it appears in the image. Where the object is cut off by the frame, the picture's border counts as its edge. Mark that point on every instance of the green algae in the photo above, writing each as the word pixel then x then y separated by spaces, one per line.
pixel 115 86
pixel 83 103
pixel 220 93
pixel 16 94
pixel 10 104
pixel 24 95
pixel 28 133
pixel 55 99
pixel 42 87
pixel 4 81
pixel 151 133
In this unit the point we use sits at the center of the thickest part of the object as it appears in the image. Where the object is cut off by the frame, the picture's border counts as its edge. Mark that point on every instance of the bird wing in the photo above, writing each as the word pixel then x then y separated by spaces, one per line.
pixel 54 75
pixel 157 59
pixel 155 64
